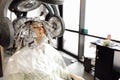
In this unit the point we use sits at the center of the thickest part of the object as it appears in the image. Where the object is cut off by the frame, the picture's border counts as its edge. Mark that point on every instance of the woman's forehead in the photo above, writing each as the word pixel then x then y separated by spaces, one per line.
pixel 37 24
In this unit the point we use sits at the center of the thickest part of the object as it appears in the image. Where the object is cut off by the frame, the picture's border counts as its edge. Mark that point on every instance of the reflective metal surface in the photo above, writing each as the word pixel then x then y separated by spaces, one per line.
pixel 8 28
pixel 6 33
pixel 27 5
pixel 57 2
pixel 58 26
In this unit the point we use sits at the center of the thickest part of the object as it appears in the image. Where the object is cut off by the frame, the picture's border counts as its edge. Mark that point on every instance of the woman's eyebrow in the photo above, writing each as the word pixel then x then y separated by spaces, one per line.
pixel 37 27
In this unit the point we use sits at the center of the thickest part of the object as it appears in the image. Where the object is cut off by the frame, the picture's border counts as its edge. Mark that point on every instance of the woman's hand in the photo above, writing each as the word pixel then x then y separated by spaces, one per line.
pixel 75 77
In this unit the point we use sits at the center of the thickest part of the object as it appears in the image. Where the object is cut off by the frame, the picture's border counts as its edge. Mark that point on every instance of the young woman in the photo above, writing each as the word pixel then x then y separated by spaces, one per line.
pixel 40 62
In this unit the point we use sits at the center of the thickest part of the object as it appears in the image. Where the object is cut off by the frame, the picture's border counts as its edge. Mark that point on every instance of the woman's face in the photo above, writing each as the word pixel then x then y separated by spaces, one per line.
pixel 39 30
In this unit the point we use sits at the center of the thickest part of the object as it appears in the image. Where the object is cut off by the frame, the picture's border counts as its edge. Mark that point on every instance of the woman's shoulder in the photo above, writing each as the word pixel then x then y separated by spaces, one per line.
pixel 22 51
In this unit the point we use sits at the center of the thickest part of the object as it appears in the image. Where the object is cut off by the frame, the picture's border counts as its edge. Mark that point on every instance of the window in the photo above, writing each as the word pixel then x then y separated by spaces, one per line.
pixel 103 17
pixel 71 13
pixel 89 50
pixel 70 41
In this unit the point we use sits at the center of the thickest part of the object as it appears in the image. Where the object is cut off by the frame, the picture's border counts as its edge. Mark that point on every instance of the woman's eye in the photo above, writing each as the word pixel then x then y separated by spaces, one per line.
pixel 35 27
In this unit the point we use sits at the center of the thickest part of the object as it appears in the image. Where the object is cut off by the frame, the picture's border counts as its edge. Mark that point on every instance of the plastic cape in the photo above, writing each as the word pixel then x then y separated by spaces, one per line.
pixel 40 63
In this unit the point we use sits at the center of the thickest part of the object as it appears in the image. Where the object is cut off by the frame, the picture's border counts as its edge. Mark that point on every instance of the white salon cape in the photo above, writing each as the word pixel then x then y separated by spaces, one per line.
pixel 40 63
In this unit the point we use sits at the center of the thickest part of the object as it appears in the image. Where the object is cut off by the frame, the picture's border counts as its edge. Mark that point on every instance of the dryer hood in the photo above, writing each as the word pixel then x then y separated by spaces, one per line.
pixel 58 2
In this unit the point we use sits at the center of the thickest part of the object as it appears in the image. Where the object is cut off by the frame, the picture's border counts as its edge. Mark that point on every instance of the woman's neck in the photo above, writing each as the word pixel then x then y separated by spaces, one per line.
pixel 39 40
